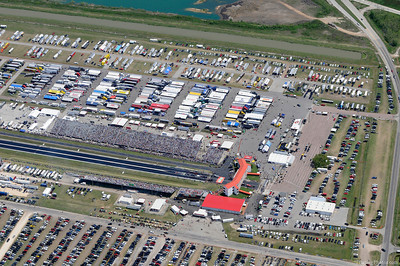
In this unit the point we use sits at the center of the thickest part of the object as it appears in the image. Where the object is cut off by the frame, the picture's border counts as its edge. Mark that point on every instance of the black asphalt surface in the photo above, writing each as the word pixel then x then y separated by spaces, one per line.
pixel 102 160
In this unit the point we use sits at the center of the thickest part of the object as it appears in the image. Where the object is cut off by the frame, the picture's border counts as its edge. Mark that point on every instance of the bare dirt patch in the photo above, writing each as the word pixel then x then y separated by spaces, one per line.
pixel 264 12
pixel 276 12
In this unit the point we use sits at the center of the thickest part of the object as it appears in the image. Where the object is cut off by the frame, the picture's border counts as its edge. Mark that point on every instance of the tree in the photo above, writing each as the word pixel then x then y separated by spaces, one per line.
pixel 320 161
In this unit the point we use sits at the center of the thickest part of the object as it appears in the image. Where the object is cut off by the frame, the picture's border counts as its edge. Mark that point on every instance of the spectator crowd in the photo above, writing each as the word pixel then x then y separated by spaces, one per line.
pixel 135 140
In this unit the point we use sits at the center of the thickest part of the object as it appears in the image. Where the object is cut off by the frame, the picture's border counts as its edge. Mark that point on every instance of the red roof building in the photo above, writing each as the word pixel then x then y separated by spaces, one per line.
pixel 233 186
pixel 223 204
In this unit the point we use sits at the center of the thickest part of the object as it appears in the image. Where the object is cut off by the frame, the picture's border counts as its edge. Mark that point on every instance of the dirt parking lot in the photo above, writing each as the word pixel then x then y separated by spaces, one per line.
pixel 263 12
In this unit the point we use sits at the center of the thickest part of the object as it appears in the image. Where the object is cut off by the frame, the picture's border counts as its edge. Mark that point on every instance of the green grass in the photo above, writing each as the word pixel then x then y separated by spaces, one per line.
pixel 65 202
pixel 314 32
pixel 396 219
pixel 394 258
pixel 326 9
pixel 375 257
pixel 390 3
pixel 358 5
pixel 387 25
pixel 242 195
pixel 313 247
pixel 377 241
pixel 254 168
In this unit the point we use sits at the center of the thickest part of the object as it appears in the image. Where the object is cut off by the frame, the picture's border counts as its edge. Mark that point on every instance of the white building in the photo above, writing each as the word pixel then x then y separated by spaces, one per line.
pixel 200 213
pixel 126 199
pixel 282 158
pixel 46 192
pixel 183 212
pixel 157 205
pixel 175 209
pixel 320 206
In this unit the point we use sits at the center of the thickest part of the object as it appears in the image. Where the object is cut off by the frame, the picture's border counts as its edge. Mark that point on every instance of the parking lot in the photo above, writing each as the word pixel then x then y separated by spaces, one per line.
pixel 47 239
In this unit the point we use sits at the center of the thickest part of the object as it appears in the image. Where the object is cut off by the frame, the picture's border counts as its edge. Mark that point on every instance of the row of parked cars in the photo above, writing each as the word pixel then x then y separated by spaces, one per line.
pixel 146 250
pixel 48 241
pixel 100 245
pixel 15 216
pixel 22 237
pixel 163 253
pixel 83 242
pixel 130 250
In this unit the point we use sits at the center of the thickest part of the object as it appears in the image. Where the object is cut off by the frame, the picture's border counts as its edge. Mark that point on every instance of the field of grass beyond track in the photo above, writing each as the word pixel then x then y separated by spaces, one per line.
pixel 313 33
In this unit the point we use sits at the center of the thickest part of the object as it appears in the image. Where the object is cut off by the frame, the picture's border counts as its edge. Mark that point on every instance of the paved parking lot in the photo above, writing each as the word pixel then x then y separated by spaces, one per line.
pixel 314 134
pixel 51 239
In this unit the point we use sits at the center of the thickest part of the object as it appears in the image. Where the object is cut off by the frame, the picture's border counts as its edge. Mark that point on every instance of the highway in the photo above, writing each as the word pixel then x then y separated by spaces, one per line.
pixel 192 237
pixel 387 59
pixel 102 160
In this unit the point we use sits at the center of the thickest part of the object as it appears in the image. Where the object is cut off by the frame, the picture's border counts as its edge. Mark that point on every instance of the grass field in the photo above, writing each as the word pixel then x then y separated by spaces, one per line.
pixel 387 25
pixel 390 3
pixel 394 258
pixel 376 242
pixel 313 247
pixel 65 202
pixel 358 5
pixel 375 257
pixel 315 32
pixel 396 220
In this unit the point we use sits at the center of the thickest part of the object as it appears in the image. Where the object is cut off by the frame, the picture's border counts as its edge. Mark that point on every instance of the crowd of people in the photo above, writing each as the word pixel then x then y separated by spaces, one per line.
pixel 130 139
pixel 130 184
pixel 213 156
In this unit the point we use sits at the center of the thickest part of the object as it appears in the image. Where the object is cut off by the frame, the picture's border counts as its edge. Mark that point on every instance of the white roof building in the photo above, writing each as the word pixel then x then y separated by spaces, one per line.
pixel 157 205
pixel 125 200
pixel 175 209
pixel 200 213
pixel 227 145
pixel 34 114
pixel 119 122
pixel 198 137
pixel 141 201
pixel 320 206
pixel 281 158
pixel 50 112
pixel 46 192
pixel 183 212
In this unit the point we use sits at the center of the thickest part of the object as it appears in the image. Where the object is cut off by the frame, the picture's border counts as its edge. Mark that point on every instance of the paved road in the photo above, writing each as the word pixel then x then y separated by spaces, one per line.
pixel 210 36
pixel 384 54
pixel 99 159
pixel 191 237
